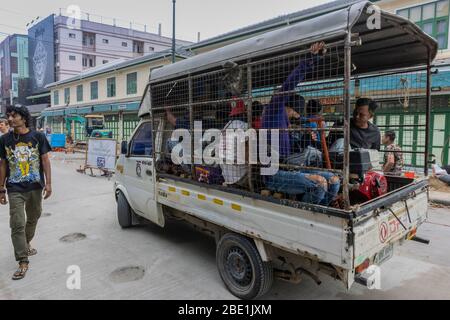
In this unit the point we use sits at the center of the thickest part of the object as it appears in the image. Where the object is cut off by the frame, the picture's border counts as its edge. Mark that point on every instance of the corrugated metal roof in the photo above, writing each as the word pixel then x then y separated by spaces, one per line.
pixel 120 64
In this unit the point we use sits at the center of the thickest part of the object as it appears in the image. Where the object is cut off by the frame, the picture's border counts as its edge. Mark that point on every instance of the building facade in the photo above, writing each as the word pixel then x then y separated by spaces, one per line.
pixel 14 70
pixel 112 91
pixel 92 44
pixel 61 48
pixel 433 18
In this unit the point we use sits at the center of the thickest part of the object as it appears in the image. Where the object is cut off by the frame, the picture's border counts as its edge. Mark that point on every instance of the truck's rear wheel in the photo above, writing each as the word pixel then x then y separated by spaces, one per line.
pixel 124 213
pixel 241 267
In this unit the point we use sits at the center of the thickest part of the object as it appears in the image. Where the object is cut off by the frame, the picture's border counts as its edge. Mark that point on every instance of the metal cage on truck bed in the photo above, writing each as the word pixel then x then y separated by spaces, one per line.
pixel 244 86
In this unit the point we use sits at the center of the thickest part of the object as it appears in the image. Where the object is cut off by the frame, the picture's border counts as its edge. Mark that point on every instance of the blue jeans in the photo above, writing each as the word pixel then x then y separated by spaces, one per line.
pixel 296 182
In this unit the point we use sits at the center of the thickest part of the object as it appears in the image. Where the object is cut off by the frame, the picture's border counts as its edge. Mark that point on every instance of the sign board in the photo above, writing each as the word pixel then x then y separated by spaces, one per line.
pixel 101 154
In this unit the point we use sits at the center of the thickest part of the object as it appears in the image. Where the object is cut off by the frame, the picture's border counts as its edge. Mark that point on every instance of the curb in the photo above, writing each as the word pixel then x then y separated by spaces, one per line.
pixel 440 201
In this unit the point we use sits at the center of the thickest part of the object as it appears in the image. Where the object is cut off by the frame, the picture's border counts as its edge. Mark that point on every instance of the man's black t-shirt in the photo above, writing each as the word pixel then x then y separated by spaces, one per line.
pixel 23 156
pixel 369 138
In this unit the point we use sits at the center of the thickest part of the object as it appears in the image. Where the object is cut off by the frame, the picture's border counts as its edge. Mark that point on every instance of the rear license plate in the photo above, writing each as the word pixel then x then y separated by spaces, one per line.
pixel 384 255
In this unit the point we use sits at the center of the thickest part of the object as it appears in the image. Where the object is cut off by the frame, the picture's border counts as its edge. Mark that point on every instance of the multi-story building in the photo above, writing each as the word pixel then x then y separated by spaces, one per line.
pixel 61 48
pixel 433 18
pixel 113 91
pixel 94 44
pixel 14 70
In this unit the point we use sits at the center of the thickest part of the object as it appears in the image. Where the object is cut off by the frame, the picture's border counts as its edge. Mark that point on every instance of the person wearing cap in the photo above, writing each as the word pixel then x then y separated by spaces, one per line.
pixel 317 187
pixel 236 174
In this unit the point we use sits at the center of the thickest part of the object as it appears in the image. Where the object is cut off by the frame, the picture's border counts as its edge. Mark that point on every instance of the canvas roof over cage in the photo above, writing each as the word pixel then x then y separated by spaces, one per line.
pixel 405 43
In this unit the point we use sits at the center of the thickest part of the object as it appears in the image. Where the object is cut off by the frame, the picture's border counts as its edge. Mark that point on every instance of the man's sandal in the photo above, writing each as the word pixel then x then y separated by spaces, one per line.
pixel 31 252
pixel 21 271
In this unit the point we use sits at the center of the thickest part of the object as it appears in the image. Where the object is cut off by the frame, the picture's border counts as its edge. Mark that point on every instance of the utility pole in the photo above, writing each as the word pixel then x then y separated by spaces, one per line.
pixel 173 31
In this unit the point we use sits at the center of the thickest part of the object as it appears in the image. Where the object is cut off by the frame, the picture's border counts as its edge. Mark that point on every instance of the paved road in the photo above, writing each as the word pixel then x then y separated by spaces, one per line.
pixel 79 227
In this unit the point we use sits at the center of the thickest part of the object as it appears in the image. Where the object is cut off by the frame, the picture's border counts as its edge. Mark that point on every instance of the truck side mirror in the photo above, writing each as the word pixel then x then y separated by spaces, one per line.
pixel 124 148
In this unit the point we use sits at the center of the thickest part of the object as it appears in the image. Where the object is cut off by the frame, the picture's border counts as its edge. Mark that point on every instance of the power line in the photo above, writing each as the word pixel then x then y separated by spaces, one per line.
pixel 10 26
pixel 15 12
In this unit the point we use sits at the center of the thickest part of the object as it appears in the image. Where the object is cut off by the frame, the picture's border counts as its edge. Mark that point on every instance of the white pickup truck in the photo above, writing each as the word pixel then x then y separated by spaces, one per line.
pixel 258 237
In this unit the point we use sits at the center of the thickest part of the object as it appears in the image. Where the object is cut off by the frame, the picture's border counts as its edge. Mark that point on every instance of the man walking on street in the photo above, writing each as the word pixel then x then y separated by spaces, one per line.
pixel 24 163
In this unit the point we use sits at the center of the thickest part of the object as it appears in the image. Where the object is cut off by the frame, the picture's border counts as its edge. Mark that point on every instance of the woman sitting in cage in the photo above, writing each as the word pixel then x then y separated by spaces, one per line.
pixel 314 186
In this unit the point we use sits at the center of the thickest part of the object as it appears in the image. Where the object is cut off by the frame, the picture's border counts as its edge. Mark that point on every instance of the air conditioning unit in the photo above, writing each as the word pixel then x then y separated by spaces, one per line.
pixel 57 41
pixel 58 64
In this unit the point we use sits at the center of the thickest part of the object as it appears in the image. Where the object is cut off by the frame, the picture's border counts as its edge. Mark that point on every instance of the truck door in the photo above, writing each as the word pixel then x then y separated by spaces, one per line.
pixel 139 173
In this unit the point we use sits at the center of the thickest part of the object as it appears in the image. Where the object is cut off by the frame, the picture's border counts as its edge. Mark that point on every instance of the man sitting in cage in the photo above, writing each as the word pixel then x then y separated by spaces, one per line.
pixel 236 174
pixel 312 185
pixel 309 119
pixel 363 133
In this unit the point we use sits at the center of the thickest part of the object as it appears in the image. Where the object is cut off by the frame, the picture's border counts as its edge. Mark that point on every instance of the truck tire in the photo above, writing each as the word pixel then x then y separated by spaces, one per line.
pixel 124 211
pixel 241 268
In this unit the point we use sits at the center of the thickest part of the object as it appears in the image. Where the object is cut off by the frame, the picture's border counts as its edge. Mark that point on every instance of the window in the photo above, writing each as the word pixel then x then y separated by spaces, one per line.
pixel 151 49
pixel 72 58
pixel 88 61
pixel 132 83
pixel 67 95
pixel 105 61
pixel 111 87
pixel 55 97
pixel 432 18
pixel 72 35
pixel 138 47
pixel 94 90
pixel 141 145
pixel 106 41
pixel 124 44
pixel 80 93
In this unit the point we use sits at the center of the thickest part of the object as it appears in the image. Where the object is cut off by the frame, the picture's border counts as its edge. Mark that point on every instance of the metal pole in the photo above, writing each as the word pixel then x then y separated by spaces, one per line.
pixel 173 31
pixel 347 78
pixel 191 125
pixel 250 124
pixel 428 116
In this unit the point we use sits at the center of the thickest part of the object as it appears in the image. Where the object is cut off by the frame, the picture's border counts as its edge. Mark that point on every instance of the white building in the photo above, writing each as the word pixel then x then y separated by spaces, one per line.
pixel 90 44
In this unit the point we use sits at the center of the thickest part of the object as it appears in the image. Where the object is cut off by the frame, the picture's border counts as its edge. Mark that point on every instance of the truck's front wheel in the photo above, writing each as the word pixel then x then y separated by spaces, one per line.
pixel 241 267
pixel 123 211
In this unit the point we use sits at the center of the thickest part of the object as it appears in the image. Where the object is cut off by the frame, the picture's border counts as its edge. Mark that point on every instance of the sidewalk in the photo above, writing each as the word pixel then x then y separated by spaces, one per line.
pixel 439 197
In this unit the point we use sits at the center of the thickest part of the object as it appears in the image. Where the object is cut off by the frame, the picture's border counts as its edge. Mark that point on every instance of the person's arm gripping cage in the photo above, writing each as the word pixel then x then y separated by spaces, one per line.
pixel 275 115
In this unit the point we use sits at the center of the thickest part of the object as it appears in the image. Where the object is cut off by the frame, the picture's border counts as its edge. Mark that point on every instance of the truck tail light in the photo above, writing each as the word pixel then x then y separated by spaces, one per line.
pixel 411 234
pixel 363 266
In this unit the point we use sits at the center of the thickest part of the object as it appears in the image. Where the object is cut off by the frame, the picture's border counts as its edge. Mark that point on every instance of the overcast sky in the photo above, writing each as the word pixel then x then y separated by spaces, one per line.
pixel 209 17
